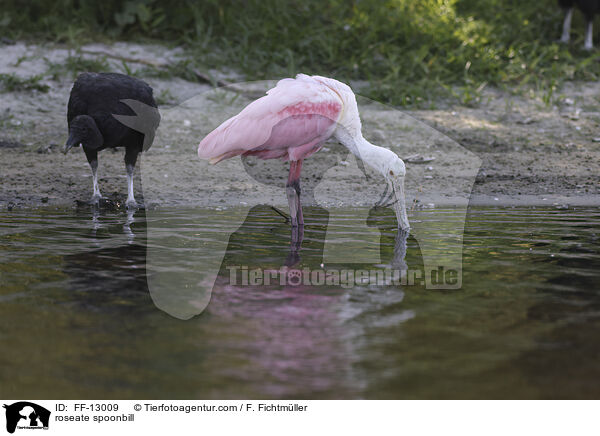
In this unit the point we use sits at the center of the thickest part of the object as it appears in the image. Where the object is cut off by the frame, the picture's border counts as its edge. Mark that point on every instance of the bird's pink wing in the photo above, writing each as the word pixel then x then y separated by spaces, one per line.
pixel 296 113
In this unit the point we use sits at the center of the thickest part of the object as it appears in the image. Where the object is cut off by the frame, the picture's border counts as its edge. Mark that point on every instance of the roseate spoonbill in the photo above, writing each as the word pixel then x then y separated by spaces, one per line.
pixel 292 122
pixel 109 110
pixel 589 9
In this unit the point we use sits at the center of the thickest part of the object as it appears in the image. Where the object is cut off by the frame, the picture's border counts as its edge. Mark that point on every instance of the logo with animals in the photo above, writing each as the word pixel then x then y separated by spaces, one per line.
pixel 24 415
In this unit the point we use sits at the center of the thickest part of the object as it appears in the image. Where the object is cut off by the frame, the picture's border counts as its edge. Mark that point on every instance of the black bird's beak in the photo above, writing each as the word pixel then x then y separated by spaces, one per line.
pixel 70 143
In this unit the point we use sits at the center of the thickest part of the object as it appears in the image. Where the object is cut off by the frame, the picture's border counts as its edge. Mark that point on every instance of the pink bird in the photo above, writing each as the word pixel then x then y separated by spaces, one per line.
pixel 292 122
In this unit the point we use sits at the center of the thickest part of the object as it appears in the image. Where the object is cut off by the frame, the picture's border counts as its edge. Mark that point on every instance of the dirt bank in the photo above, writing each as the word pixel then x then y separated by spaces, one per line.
pixel 509 150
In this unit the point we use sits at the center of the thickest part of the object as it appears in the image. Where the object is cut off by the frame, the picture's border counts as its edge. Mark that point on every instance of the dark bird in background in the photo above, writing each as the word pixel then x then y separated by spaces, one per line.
pixel 589 9
pixel 109 110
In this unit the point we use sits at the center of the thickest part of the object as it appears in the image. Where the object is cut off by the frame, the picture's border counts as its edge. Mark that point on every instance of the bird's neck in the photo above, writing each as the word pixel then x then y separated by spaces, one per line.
pixel 373 155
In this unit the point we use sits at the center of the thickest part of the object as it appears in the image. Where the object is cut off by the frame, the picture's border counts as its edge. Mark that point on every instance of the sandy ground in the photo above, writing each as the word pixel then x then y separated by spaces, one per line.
pixel 509 150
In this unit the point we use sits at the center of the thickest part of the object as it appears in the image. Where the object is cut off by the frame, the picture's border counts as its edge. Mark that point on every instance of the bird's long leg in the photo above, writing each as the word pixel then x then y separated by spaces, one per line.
pixel 130 160
pixel 566 34
pixel 130 196
pixel 297 218
pixel 589 33
pixel 92 157
pixel 293 193
pixel 96 195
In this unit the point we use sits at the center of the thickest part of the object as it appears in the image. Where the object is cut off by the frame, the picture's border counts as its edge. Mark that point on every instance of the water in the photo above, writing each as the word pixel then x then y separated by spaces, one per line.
pixel 77 319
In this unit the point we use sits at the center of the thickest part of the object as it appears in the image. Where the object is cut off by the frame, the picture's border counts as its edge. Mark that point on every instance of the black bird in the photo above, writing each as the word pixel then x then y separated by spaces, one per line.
pixel 589 9
pixel 109 110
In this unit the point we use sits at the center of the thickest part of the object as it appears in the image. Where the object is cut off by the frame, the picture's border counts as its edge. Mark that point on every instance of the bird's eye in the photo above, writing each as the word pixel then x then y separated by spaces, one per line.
pixel 391 173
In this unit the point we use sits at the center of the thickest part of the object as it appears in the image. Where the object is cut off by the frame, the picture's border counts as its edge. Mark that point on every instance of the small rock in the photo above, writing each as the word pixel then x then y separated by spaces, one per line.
pixel 526 121
pixel 562 207
pixel 569 101
pixel 575 115
pixel 429 168
pixel 428 177
pixel 595 139
pixel 418 159
pixel 10 206
pixel 43 149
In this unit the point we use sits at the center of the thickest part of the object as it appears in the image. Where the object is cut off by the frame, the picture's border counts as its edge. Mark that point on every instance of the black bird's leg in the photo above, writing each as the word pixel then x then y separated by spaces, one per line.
pixel 566 33
pixel 589 33
pixel 92 157
pixel 130 160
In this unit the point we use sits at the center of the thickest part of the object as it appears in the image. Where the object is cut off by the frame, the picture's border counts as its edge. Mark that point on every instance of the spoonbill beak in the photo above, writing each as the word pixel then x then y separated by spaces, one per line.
pixel 400 203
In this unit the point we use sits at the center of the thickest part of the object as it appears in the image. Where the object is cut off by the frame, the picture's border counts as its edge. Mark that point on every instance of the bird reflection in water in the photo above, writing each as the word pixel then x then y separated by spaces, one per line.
pixel 116 267
pixel 296 329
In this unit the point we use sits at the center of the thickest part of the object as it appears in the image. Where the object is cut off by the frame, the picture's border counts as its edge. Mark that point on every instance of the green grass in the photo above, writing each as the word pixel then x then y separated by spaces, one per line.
pixel 183 69
pixel 410 52
pixel 74 65
pixel 14 83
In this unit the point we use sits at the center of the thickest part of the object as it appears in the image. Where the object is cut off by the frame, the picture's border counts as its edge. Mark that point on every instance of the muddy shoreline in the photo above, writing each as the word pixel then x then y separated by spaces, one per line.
pixel 525 152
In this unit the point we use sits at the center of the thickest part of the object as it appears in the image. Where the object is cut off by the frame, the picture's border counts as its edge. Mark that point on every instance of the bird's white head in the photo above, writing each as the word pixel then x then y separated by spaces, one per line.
pixel 393 166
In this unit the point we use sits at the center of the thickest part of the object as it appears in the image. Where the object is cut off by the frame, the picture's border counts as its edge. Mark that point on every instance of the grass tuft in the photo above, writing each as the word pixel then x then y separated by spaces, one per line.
pixel 74 65
pixel 14 83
